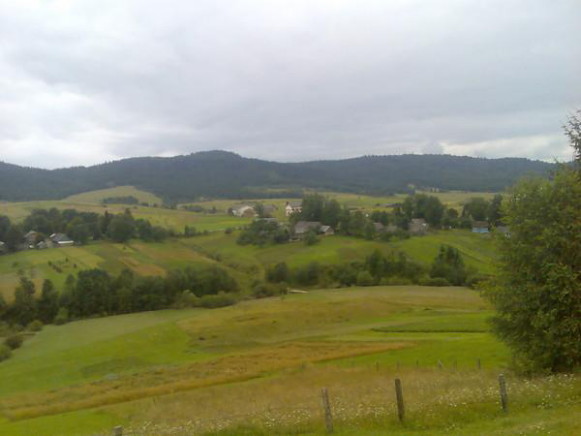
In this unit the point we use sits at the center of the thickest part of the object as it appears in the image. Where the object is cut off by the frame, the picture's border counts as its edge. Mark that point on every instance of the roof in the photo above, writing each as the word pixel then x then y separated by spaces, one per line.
pixel 480 224
pixel 60 237
pixel 304 226
pixel 418 221
pixel 298 203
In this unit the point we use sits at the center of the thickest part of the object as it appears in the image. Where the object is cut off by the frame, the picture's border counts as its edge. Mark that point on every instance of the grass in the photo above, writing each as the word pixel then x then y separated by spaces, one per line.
pixel 257 368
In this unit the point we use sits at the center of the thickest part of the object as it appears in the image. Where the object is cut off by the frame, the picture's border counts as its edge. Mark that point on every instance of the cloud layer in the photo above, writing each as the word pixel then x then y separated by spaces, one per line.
pixel 82 82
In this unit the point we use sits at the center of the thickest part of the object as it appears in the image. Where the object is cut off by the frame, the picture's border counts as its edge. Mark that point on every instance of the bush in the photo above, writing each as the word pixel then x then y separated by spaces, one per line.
pixel 14 341
pixel 62 316
pixel 187 299
pixel 364 278
pixel 5 352
pixel 263 290
pixel 221 299
pixel 35 326
pixel 434 281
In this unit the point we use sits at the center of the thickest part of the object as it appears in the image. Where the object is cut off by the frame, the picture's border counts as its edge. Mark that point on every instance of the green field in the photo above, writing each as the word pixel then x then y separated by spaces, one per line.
pixel 258 367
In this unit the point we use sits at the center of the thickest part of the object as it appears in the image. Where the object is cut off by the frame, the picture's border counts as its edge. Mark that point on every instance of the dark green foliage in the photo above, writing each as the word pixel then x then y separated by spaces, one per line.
pixel 537 293
pixel 35 326
pixel 424 206
pixel 311 237
pixel 263 290
pixel 476 208
pixel 4 226
pixel 13 237
pixel 48 303
pixel 14 341
pixel 128 199
pixel 449 265
pixel 121 228
pixel 278 273
pixel 573 131
pixel 23 309
pixel 223 174
pixel 263 232
pixel 216 301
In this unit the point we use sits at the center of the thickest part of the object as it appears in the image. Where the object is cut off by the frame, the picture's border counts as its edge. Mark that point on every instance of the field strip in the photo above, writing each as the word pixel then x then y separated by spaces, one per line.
pixel 227 369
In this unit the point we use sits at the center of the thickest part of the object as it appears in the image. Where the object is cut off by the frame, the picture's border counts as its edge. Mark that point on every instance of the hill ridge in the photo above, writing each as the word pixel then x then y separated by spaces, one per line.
pixel 224 174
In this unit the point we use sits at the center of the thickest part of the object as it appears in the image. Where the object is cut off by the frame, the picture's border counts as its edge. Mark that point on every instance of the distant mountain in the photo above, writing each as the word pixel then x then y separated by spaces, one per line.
pixel 228 175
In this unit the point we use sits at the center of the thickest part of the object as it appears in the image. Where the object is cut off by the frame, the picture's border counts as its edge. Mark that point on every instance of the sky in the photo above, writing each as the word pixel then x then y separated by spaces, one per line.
pixel 85 82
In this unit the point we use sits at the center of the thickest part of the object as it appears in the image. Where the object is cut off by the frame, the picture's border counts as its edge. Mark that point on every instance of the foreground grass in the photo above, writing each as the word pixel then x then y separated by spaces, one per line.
pixel 258 367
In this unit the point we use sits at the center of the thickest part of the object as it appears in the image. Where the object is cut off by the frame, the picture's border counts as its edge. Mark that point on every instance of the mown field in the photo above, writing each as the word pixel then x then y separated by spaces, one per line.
pixel 258 367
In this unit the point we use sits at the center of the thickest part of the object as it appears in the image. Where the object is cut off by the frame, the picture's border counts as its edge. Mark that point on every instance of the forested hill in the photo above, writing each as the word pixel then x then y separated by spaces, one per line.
pixel 224 174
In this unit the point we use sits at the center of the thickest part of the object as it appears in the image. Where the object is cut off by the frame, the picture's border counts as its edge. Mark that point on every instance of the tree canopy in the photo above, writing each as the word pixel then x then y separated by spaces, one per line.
pixel 537 293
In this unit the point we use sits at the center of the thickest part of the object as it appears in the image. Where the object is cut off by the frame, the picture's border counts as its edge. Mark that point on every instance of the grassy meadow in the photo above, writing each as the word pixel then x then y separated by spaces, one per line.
pixel 258 367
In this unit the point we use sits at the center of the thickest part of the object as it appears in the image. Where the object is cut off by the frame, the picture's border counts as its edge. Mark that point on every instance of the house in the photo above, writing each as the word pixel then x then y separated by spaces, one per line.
pixel 47 243
pixel 326 230
pixel 480 227
pixel 61 240
pixel 379 227
pixel 3 248
pixel 243 210
pixel 303 227
pixel 418 226
pixel 293 207
pixel 270 209
pixel 30 238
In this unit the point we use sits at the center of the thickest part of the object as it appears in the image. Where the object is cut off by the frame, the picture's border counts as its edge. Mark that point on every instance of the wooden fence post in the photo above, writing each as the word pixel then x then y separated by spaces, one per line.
pixel 327 409
pixel 399 397
pixel 118 431
pixel 503 393
pixel 478 364
pixel 440 364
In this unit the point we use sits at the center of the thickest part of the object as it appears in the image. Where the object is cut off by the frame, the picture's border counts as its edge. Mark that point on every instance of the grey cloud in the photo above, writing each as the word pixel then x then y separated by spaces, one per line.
pixel 290 80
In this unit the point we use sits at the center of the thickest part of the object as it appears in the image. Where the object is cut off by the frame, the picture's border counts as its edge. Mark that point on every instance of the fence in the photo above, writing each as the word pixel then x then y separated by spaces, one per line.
pixel 327 412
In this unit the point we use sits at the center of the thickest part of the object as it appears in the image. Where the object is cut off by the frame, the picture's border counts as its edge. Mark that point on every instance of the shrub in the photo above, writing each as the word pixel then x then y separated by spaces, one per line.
pixel 62 316
pixel 364 278
pixel 14 341
pixel 434 281
pixel 263 290
pixel 35 326
pixel 5 352
pixel 221 299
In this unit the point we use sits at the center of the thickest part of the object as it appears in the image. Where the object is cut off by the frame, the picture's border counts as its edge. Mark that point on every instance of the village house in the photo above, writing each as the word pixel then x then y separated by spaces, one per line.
pixel 2 247
pixel 303 227
pixel 61 240
pixel 30 238
pixel 293 207
pixel 480 227
pixel 270 209
pixel 418 226
pixel 243 210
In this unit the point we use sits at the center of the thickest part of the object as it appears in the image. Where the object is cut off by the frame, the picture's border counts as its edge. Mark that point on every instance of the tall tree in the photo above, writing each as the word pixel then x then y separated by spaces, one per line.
pixel 537 293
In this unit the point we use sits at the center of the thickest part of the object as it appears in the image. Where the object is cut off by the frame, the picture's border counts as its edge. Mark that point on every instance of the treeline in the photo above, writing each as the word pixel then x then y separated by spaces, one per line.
pixel 95 292
pixel 227 175
pixel 80 227
pixel 348 222
pixel 447 269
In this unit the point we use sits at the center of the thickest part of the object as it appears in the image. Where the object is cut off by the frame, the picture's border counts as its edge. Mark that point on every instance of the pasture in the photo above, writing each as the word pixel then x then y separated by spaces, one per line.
pixel 258 367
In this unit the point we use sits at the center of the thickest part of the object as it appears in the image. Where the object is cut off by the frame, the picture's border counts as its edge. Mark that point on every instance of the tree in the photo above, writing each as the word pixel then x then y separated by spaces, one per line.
pixel 23 309
pixel 48 304
pixel 573 131
pixel 449 265
pixel 537 293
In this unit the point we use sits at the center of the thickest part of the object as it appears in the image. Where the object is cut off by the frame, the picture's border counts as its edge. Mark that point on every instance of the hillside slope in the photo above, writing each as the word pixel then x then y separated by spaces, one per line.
pixel 228 175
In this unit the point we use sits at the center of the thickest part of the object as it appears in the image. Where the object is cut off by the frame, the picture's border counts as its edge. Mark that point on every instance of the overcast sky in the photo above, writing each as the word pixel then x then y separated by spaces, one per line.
pixel 83 82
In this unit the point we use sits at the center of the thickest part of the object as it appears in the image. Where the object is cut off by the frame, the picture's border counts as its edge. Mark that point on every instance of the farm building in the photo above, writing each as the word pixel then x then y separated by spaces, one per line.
pixel 61 240
pixel 418 226
pixel 303 227
pixel 293 207
pixel 243 210
pixel 480 227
